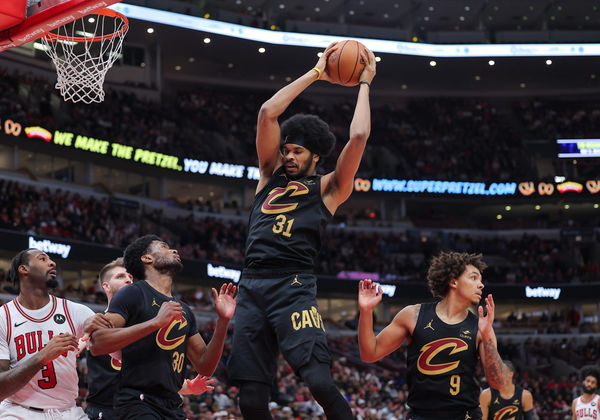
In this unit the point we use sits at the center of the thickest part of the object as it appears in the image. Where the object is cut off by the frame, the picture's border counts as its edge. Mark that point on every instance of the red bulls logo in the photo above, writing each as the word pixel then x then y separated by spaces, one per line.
pixel 430 350
pixel 162 336
pixel 294 188
pixel 503 413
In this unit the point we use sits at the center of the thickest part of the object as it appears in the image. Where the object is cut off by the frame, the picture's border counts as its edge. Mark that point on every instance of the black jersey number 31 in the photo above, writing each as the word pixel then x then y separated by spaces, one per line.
pixel 283 225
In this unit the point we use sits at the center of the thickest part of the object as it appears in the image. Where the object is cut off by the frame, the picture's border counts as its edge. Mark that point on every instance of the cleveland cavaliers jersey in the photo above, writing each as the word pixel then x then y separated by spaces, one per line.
pixel 24 332
pixel 506 409
pixel 156 363
pixel 102 379
pixel 441 361
pixel 587 410
pixel 286 223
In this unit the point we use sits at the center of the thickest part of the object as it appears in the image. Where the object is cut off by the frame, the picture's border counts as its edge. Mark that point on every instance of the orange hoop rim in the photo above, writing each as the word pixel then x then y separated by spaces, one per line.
pixel 49 36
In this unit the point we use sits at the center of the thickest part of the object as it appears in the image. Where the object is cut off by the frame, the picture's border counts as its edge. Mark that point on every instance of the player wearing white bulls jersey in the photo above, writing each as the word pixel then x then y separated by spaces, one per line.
pixel 445 339
pixel 585 407
pixel 38 344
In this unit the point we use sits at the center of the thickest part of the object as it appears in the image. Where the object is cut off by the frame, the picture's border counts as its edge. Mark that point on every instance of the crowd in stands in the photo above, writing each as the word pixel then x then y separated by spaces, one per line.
pixel 398 256
pixel 443 139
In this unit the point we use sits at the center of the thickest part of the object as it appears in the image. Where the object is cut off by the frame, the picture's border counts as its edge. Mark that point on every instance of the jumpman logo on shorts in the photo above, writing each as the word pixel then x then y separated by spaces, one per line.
pixel 295 281
pixel 429 326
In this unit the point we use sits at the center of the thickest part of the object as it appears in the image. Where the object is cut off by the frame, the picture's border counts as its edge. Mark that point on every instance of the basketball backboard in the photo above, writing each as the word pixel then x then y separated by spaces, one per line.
pixel 23 21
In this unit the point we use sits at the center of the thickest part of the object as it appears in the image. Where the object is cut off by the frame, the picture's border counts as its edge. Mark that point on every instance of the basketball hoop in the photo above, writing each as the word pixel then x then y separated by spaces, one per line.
pixel 83 51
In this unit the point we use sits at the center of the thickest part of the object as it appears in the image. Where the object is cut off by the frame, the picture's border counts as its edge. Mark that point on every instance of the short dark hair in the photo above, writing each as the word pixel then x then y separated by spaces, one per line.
pixel 447 266
pixel 308 131
pixel 590 371
pixel 115 263
pixel 510 366
pixel 21 258
pixel 133 255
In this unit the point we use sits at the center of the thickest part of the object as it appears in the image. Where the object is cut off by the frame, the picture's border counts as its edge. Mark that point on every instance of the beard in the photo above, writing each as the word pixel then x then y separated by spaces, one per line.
pixel 52 283
pixel 302 171
pixel 165 265
pixel 589 390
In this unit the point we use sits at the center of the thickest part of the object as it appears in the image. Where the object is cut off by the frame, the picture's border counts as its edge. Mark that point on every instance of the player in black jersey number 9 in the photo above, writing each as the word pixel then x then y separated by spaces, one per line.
pixel 445 339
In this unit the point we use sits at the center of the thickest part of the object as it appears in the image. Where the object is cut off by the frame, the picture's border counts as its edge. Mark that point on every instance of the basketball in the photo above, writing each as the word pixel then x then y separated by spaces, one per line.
pixel 345 65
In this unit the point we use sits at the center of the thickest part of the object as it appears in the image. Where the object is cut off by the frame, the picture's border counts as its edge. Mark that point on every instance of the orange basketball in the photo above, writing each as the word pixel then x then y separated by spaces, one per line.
pixel 345 65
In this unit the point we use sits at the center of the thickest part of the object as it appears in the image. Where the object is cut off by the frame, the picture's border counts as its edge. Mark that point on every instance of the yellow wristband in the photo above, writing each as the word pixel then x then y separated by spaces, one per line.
pixel 318 72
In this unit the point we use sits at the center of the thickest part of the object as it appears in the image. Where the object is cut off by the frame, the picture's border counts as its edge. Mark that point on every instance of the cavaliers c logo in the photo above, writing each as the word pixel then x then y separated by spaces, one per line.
pixel 115 363
pixel 162 336
pixel 430 350
pixel 503 413
pixel 296 188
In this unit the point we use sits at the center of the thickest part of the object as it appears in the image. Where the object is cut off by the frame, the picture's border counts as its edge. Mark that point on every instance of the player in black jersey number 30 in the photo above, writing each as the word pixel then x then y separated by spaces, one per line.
pixel 445 339
pixel 156 333
pixel 277 308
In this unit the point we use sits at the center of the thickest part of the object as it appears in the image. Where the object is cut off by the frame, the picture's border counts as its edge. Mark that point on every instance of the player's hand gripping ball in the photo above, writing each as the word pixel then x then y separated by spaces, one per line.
pixel 345 65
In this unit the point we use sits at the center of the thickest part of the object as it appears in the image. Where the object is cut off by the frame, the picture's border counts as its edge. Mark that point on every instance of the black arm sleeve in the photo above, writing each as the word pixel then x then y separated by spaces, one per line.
pixel 528 415
pixel 126 302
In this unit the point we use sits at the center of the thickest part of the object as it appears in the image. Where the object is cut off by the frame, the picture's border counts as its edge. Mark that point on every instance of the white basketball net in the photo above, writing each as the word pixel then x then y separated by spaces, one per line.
pixel 83 51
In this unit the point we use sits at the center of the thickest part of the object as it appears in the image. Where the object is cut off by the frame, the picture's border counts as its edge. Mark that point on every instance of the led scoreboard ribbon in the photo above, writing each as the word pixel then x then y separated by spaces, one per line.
pixel 573 148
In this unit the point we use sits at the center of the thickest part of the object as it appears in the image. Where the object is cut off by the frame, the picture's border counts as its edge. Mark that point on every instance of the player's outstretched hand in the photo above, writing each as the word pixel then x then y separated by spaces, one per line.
pixel 199 385
pixel 95 322
pixel 322 63
pixel 225 300
pixel 58 345
pixel 167 312
pixel 486 323
pixel 369 71
pixel 369 294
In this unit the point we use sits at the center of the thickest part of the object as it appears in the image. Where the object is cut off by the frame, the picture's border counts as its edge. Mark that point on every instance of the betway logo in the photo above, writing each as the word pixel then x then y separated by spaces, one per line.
pixel 223 272
pixel 50 247
pixel 388 289
pixel 542 292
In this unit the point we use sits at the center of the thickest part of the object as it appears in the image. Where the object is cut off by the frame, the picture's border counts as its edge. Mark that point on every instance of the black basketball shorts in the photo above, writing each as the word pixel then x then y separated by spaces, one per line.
pixel 273 314
pixel 95 412
pixel 131 404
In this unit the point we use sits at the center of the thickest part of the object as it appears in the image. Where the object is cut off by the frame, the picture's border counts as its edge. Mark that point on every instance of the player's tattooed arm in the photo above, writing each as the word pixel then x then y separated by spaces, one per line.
pixel 12 380
pixel 496 372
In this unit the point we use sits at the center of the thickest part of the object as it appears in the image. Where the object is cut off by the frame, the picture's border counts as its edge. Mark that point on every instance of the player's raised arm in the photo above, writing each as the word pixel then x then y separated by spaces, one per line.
pixel 496 372
pixel 205 358
pixel 337 186
pixel 373 348
pixel 268 135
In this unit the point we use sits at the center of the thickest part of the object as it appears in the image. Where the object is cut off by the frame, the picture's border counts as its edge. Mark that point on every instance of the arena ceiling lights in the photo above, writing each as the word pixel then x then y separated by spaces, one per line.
pixel 377 45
